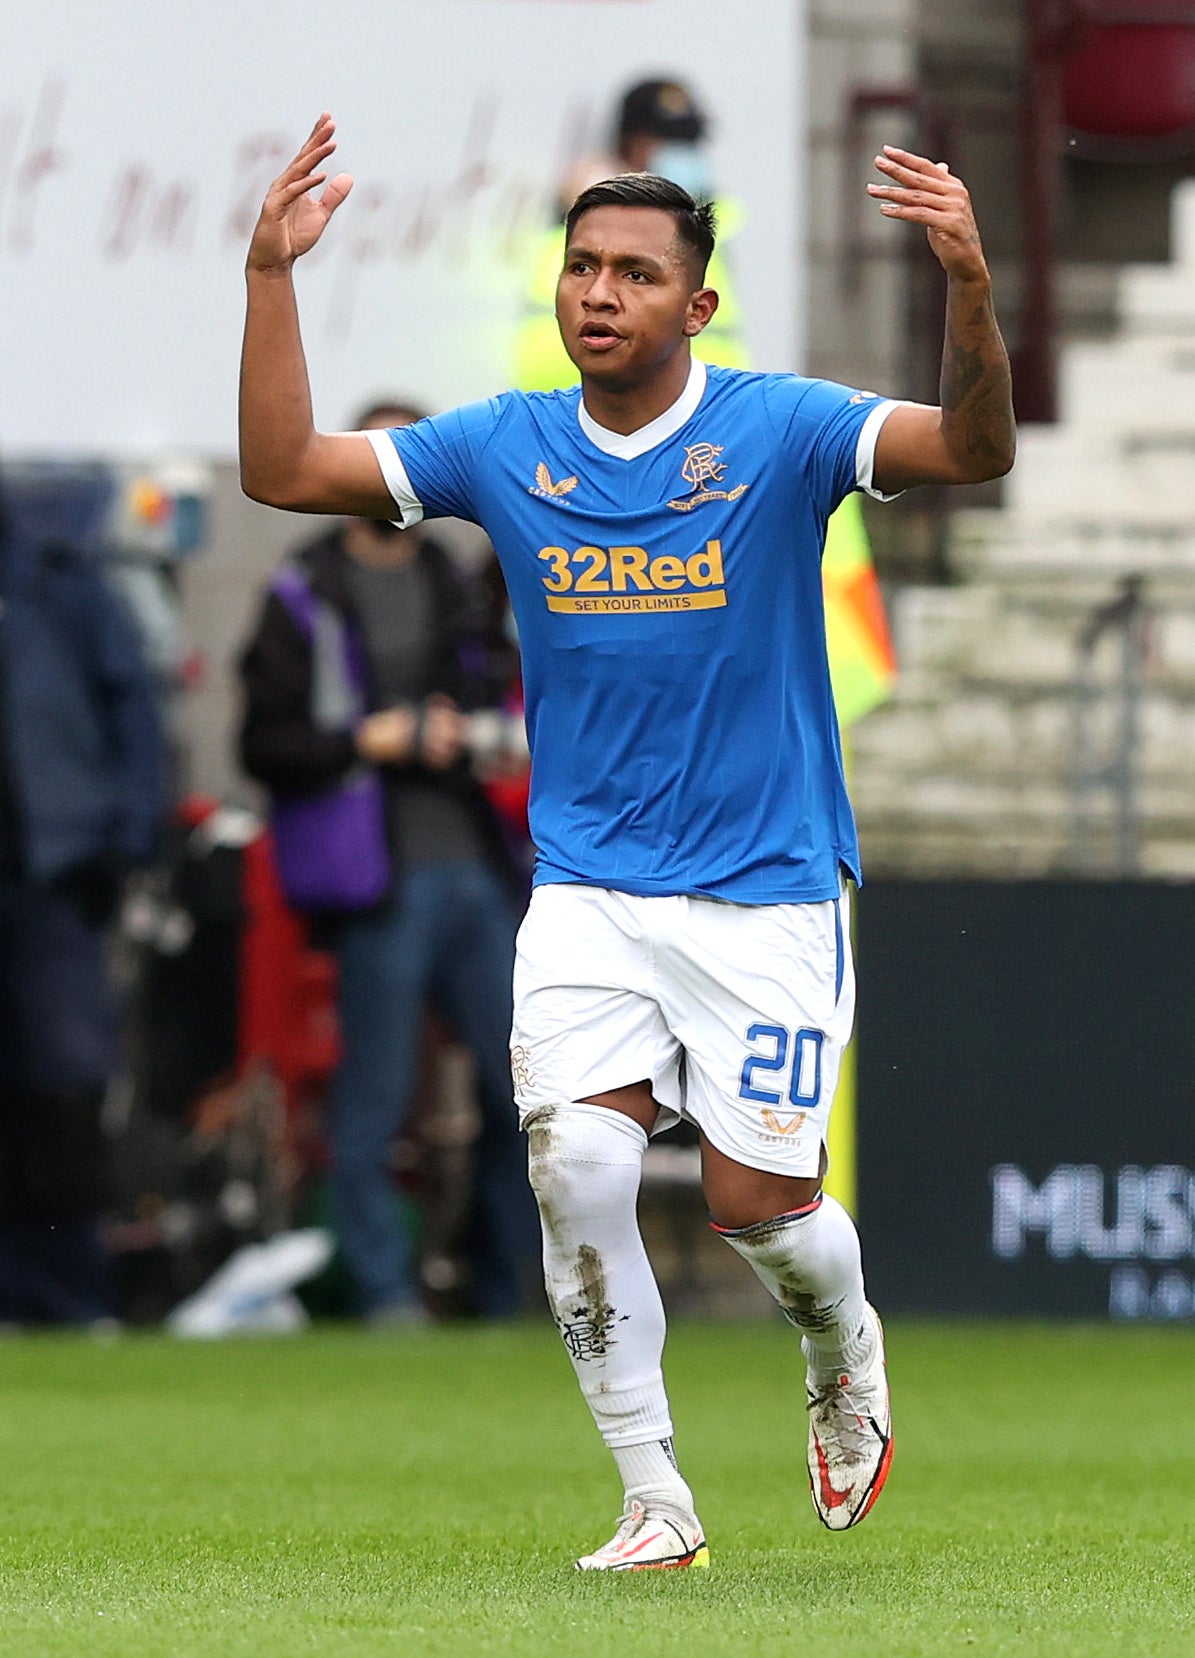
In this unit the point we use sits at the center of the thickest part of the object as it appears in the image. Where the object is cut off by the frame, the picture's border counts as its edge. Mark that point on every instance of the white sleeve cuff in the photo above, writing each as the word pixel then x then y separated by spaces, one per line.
pixel 394 473
pixel 865 450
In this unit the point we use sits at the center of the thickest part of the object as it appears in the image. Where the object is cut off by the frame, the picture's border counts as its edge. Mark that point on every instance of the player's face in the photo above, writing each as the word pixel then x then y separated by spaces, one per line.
pixel 626 300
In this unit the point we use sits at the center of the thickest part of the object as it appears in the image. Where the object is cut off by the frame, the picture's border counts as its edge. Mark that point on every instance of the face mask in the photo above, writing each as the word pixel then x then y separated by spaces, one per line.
pixel 685 165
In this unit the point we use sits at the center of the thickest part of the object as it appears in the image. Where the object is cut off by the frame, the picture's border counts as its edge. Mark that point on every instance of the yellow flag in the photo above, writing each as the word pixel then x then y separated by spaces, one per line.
pixel 862 665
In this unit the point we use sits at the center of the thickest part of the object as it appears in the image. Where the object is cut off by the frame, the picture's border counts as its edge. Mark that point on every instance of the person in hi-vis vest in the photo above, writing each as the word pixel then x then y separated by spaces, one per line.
pixel 659 128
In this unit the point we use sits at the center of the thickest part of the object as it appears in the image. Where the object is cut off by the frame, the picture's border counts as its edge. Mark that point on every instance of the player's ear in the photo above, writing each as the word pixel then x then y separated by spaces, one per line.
pixel 702 305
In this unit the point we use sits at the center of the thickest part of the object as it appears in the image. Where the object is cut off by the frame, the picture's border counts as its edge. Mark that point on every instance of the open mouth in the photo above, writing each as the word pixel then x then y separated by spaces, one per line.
pixel 599 336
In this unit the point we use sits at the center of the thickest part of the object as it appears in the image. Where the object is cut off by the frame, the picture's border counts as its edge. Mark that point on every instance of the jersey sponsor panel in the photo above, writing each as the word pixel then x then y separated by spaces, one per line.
pixel 627 580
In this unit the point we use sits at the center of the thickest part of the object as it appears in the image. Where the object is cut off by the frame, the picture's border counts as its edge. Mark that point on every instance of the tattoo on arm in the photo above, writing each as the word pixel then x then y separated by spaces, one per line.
pixel 976 390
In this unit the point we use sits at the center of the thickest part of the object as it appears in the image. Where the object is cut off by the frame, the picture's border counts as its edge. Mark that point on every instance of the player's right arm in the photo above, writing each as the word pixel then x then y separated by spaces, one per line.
pixel 285 462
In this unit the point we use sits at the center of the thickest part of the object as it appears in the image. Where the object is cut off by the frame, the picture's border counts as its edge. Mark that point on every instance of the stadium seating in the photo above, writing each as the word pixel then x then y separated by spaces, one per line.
pixel 971 768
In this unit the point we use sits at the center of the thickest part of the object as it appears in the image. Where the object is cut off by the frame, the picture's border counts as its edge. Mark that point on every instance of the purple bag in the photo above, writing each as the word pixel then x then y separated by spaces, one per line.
pixel 331 847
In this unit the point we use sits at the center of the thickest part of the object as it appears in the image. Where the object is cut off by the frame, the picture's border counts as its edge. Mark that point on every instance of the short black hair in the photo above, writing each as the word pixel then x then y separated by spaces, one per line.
pixel 696 222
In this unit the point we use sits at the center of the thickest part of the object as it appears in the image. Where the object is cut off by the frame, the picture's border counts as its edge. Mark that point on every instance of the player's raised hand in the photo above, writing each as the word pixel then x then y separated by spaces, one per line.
pixel 292 217
pixel 927 193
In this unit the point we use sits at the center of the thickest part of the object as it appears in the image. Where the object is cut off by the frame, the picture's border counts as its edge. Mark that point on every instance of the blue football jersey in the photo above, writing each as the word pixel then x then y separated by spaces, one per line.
pixel 667 592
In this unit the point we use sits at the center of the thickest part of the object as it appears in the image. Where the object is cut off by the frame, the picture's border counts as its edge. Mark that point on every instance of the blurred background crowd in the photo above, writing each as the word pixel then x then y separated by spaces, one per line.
pixel 263 839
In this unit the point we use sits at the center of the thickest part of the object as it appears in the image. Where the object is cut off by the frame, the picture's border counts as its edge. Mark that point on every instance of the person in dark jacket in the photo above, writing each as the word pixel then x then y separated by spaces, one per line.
pixel 354 675
pixel 82 799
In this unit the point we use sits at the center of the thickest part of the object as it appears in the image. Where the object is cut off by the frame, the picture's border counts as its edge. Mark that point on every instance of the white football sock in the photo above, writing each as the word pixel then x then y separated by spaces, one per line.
pixel 650 1475
pixel 809 1263
pixel 585 1163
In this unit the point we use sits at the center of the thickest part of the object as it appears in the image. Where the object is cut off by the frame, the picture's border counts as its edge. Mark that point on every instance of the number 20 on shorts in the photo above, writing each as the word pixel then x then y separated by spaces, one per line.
pixel 805 1076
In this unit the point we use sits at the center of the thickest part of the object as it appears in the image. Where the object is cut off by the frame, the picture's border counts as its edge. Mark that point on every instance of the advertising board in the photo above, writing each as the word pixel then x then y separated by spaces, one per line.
pixel 1026 1060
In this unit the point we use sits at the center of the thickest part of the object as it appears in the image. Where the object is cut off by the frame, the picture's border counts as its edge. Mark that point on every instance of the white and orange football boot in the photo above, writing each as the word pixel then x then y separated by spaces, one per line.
pixel 658 1539
pixel 850 1438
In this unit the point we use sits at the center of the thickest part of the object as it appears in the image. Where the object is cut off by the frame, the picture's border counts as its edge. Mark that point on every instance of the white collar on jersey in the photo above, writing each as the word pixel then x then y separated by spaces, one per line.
pixel 627 446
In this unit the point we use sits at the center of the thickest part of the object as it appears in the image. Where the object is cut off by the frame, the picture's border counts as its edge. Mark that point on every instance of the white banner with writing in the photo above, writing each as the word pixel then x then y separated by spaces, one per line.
pixel 138 140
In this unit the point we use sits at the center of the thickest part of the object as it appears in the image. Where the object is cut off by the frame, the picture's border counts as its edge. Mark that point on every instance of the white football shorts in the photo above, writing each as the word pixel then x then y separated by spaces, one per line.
pixel 737 1014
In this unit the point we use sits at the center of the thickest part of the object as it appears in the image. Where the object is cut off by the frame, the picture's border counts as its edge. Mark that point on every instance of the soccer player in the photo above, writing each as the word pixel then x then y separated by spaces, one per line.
pixel 686 950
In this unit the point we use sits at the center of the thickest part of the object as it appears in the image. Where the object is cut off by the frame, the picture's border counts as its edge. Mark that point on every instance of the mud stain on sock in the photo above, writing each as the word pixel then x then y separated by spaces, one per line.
pixel 589 1330
pixel 805 1311
pixel 541 1150
pixel 592 1275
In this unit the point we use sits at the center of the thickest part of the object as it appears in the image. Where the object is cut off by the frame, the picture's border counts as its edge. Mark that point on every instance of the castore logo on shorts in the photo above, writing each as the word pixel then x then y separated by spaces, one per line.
pixel 779 1130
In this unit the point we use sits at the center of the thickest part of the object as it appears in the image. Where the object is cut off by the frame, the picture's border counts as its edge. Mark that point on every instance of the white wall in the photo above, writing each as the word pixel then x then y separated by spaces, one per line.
pixel 137 139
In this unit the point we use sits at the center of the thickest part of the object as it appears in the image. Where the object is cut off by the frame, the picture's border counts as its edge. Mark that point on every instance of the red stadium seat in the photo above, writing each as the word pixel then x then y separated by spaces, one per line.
pixel 1132 76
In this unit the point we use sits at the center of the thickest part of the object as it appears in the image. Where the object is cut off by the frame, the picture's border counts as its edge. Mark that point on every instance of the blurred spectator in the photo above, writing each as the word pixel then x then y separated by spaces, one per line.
pixel 354 679
pixel 491 653
pixel 81 801
pixel 658 128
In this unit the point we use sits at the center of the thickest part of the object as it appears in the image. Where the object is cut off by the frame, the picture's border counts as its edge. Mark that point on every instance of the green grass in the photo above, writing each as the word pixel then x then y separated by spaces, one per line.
pixel 424 1493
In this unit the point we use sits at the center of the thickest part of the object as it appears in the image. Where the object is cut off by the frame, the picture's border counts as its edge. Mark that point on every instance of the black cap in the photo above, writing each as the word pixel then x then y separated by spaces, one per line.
pixel 665 109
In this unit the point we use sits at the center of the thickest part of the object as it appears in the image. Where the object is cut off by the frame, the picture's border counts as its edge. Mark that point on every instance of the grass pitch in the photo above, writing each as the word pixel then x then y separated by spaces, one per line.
pixel 424 1494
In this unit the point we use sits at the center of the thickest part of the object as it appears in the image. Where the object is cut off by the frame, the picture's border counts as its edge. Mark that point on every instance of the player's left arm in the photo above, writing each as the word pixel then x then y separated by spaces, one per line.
pixel 971 436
